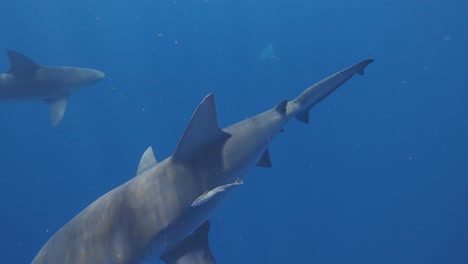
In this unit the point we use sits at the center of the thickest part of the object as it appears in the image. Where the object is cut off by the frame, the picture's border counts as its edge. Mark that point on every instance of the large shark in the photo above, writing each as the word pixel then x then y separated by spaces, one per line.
pixel 28 80
pixel 163 211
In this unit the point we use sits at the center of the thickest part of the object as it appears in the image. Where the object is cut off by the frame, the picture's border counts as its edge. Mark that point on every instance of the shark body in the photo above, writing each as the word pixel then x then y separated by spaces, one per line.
pixel 27 80
pixel 156 214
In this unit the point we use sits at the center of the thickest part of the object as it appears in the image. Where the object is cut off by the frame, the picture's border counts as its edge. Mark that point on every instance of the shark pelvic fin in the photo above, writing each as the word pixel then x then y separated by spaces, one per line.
pixel 265 160
pixel 147 160
pixel 202 131
pixel 22 65
pixel 194 249
pixel 57 106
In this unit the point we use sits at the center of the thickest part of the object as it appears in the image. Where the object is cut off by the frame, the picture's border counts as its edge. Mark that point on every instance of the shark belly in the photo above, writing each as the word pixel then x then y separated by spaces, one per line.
pixel 145 217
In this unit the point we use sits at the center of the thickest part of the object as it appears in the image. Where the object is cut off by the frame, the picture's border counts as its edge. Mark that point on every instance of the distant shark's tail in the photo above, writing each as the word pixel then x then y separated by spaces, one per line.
pixel 300 106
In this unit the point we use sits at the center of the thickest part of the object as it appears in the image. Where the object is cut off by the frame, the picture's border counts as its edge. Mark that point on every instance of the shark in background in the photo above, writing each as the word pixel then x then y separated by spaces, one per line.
pixel 164 211
pixel 27 80
pixel 268 53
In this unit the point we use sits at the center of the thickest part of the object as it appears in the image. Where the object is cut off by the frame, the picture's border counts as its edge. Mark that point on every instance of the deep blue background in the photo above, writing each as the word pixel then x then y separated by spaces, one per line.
pixel 380 175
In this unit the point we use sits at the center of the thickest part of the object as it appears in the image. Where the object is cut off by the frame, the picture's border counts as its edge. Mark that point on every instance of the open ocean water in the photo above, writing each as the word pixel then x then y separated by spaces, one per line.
pixel 379 176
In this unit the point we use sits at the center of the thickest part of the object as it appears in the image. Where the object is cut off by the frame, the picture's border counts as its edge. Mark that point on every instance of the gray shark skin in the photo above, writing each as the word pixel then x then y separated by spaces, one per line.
pixel 27 80
pixel 152 215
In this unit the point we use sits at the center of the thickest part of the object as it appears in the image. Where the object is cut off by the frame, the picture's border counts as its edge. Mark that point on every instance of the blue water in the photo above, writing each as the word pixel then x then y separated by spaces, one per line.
pixel 379 176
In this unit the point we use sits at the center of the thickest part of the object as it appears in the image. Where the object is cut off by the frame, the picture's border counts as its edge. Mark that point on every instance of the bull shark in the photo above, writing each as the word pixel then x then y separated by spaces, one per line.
pixel 163 212
pixel 28 80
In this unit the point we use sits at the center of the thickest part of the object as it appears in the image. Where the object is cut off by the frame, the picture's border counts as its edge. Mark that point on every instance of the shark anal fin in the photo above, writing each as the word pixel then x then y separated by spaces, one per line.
pixel 193 250
pixel 265 160
pixel 203 130
pixel 57 106
pixel 147 160
pixel 22 66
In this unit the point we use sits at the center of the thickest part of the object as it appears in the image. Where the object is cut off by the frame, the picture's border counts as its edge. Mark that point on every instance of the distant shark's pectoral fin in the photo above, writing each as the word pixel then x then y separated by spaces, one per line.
pixel 193 250
pixel 147 160
pixel 57 106
pixel 265 160
pixel 22 66
pixel 203 130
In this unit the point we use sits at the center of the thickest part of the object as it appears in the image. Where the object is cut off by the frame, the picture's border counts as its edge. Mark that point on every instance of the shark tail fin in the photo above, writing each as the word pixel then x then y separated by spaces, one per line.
pixel 301 106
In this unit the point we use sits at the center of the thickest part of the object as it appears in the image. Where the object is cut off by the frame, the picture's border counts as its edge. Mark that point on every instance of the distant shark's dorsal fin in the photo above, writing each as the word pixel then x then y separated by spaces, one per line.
pixel 202 130
pixel 57 106
pixel 265 160
pixel 21 65
pixel 194 249
pixel 147 160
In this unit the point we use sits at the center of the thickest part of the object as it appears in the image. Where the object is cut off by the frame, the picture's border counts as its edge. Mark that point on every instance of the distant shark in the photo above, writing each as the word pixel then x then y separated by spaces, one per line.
pixel 163 212
pixel 28 80
pixel 268 53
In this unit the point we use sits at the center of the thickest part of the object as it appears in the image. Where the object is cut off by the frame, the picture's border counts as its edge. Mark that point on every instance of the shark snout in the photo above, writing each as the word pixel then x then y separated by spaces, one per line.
pixel 99 75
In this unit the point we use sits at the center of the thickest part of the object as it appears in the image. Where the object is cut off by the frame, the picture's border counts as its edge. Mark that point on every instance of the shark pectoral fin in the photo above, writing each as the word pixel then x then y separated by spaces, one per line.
pixel 21 66
pixel 57 106
pixel 193 250
pixel 207 195
pixel 265 160
pixel 147 160
pixel 202 130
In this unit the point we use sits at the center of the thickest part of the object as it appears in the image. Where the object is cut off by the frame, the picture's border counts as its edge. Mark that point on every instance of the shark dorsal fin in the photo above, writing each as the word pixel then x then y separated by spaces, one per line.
pixel 265 160
pixel 147 160
pixel 21 65
pixel 194 249
pixel 202 130
pixel 281 107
